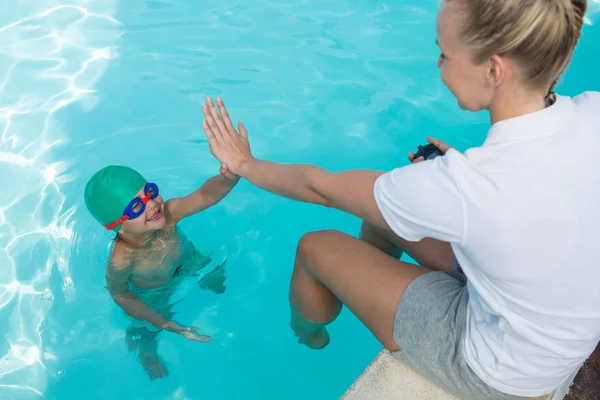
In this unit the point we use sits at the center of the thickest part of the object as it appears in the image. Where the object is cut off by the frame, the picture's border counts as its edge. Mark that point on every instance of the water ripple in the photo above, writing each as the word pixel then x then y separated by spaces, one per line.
pixel 593 11
pixel 342 84
pixel 51 56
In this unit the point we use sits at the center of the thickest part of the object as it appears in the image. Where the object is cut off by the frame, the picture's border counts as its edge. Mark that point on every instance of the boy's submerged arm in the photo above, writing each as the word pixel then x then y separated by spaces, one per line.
pixel 209 194
pixel 117 284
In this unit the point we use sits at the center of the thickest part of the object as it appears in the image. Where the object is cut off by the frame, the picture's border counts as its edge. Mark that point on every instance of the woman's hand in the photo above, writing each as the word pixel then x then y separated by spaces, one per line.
pixel 229 147
pixel 188 332
pixel 443 147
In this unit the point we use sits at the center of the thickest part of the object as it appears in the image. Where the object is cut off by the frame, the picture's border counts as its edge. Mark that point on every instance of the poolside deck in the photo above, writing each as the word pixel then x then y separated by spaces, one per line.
pixel 386 378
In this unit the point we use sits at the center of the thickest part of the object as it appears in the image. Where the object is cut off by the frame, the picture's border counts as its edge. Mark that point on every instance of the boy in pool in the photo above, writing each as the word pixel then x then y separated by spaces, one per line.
pixel 151 256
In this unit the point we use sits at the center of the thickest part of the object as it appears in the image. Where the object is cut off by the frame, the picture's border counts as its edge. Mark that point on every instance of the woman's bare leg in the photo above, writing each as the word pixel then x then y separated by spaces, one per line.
pixel 431 253
pixel 332 269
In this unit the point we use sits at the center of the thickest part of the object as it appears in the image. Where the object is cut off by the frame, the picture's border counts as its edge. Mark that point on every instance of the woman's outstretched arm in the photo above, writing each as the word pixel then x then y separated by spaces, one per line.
pixel 350 191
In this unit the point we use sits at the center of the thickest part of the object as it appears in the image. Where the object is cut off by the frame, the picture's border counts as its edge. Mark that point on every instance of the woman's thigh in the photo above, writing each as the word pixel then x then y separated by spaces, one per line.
pixel 365 279
pixel 430 253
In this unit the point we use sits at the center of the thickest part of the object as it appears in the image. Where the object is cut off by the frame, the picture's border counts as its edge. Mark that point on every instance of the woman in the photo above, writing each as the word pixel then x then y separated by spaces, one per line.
pixel 504 304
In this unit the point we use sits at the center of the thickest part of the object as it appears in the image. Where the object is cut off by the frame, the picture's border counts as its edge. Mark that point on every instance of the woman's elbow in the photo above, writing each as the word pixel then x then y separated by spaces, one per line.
pixel 320 200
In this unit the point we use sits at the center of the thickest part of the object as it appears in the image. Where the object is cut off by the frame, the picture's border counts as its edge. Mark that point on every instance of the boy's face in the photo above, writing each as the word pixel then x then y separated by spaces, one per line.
pixel 152 219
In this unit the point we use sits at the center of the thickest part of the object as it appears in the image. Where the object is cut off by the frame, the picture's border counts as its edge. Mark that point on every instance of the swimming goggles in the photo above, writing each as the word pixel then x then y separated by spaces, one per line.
pixel 137 206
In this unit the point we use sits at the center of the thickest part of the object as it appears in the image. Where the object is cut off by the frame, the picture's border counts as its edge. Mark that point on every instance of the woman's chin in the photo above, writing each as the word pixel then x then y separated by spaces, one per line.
pixel 463 106
pixel 470 107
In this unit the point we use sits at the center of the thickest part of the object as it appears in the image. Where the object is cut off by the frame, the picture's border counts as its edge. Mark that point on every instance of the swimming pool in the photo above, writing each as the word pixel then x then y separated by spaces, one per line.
pixel 343 84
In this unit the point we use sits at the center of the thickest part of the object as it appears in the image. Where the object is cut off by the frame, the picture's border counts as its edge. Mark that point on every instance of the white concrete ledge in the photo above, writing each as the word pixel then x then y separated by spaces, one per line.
pixel 386 378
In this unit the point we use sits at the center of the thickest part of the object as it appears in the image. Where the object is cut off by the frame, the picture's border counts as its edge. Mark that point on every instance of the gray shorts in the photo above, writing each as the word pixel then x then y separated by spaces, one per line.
pixel 429 328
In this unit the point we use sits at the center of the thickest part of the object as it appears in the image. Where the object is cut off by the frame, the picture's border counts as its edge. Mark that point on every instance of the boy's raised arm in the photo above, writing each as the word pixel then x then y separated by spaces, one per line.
pixel 209 194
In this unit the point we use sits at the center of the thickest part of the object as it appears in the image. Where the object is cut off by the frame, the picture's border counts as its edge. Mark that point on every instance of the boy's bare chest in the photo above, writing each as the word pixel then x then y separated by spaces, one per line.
pixel 155 264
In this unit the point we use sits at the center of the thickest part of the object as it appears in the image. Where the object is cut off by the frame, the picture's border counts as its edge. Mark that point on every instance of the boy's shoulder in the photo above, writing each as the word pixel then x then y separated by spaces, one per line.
pixel 120 257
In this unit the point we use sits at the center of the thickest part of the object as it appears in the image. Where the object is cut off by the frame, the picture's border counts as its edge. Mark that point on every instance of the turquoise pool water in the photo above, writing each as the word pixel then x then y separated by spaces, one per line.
pixel 343 84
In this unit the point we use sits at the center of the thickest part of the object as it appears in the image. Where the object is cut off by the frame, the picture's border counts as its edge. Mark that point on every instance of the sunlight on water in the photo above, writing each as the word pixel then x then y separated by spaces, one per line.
pixel 85 83
pixel 50 56
pixel 593 11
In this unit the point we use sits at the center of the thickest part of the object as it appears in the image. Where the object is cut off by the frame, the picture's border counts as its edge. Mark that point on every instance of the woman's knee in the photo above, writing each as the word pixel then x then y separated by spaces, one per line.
pixel 314 242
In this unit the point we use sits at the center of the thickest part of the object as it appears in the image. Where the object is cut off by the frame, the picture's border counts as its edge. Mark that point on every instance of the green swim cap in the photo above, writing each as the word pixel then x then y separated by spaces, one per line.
pixel 110 190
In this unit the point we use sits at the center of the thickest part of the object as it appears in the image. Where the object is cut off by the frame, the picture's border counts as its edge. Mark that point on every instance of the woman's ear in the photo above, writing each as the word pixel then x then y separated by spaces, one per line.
pixel 497 69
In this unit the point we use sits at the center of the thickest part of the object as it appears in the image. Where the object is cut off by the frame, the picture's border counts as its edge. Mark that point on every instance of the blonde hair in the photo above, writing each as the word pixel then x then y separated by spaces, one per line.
pixel 538 35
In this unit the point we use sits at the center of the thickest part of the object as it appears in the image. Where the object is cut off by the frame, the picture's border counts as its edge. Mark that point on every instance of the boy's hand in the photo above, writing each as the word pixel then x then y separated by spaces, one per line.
pixel 443 147
pixel 229 147
pixel 191 333
pixel 188 332
pixel 227 174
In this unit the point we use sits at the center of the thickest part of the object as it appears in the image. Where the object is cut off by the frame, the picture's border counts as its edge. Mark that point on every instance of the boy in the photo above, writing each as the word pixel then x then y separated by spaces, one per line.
pixel 151 256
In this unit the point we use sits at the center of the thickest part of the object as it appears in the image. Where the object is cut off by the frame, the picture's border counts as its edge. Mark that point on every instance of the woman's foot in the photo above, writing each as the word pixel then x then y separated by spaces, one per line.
pixel 315 340
pixel 311 334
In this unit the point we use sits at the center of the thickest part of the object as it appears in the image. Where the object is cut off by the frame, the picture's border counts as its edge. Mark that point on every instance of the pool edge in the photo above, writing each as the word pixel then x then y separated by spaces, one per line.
pixel 387 378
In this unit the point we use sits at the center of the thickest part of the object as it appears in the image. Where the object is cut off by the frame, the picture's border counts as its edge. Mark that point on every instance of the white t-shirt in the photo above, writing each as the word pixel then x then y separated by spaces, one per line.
pixel 522 213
